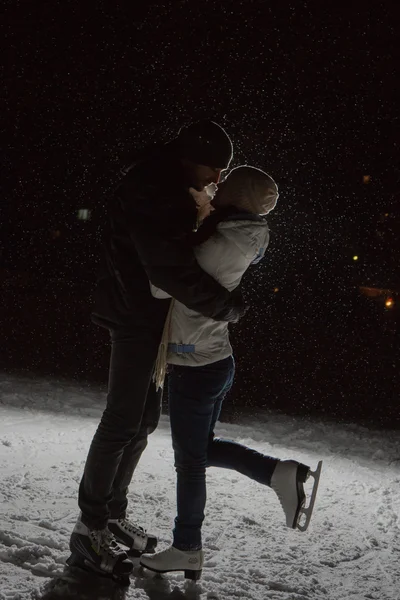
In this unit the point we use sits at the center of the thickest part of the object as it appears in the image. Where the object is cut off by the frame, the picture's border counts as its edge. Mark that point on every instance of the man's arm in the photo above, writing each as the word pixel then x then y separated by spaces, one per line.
pixel 158 229
pixel 171 265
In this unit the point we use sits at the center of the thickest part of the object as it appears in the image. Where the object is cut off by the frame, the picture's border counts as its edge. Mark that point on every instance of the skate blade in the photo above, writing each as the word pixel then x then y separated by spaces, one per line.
pixel 188 573
pixel 134 553
pixel 145 573
pixel 91 570
pixel 307 511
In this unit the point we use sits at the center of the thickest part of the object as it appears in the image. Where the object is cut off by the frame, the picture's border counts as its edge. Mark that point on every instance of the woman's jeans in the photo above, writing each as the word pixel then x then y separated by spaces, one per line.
pixel 195 400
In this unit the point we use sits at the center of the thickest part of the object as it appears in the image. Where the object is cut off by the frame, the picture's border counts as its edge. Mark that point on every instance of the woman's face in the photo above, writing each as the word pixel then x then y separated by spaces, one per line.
pixel 219 196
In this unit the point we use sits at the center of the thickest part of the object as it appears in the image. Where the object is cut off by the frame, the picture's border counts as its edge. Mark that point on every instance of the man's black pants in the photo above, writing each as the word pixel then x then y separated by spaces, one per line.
pixel 132 413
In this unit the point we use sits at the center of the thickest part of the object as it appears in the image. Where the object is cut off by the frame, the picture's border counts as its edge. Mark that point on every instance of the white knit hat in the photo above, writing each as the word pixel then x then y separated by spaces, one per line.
pixel 249 189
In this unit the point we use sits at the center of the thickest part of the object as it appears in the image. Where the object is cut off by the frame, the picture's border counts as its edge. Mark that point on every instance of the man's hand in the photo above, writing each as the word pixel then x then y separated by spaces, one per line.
pixel 236 308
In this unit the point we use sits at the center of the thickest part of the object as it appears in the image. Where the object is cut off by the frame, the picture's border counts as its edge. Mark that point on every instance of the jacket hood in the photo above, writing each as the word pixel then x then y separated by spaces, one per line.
pixel 250 235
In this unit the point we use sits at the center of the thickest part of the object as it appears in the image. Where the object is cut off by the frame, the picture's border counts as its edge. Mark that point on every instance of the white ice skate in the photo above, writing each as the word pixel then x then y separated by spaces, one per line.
pixel 133 536
pixel 287 481
pixel 172 559
pixel 96 550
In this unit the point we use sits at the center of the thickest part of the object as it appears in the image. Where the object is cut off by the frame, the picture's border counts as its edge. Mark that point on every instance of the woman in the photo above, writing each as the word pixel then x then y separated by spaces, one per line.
pixel 233 237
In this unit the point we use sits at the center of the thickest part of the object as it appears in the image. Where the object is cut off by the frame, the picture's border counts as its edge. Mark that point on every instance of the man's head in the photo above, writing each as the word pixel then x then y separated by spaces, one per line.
pixel 248 188
pixel 205 150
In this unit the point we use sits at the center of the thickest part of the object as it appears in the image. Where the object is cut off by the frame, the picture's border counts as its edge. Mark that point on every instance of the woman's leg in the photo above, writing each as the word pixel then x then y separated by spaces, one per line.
pixel 193 393
pixel 227 454
pixel 286 477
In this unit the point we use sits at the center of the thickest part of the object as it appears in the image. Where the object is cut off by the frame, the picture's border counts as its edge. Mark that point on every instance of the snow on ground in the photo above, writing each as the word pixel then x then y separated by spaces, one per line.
pixel 351 550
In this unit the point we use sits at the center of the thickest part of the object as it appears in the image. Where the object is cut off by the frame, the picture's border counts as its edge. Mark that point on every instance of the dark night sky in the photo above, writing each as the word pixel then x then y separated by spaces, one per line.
pixel 308 91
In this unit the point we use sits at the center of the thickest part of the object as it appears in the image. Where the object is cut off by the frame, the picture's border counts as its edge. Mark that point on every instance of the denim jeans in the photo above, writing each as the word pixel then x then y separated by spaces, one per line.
pixel 196 395
pixel 132 413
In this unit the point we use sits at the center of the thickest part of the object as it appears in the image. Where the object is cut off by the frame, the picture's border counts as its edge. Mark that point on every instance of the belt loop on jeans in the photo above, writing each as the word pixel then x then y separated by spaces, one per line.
pixel 181 348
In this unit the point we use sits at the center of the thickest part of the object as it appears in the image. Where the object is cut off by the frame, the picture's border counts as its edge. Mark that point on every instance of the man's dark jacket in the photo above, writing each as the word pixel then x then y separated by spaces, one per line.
pixel 151 217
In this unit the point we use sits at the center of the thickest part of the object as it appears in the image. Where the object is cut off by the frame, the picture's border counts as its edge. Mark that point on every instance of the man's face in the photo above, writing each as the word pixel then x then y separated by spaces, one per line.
pixel 200 176
pixel 203 201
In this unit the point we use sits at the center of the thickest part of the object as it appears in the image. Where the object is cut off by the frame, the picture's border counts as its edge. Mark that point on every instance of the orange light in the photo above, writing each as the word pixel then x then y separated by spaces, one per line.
pixel 366 178
pixel 276 289
pixel 389 303
pixel 375 292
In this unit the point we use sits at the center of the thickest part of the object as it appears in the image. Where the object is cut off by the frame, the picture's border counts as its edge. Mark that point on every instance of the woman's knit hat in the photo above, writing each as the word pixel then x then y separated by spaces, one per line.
pixel 250 189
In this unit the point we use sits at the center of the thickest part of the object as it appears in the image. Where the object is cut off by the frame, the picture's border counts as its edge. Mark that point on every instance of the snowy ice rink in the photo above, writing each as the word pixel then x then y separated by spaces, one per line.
pixel 351 550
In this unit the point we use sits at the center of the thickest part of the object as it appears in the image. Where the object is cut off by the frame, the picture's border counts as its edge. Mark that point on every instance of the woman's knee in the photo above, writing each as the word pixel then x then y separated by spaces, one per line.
pixel 191 467
pixel 191 475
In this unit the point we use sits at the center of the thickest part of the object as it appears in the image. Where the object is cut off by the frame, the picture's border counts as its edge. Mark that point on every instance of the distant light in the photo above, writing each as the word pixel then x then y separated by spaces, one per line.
pixel 366 178
pixel 355 257
pixel 276 289
pixel 84 214
pixel 389 303
pixel 386 214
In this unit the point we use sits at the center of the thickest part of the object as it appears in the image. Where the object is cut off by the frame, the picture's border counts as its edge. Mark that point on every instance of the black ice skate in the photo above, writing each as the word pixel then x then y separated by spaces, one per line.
pixel 96 550
pixel 133 536
pixel 288 481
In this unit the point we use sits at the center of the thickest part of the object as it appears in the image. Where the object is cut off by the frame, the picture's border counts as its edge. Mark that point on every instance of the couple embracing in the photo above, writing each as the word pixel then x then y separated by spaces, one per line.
pixel 175 252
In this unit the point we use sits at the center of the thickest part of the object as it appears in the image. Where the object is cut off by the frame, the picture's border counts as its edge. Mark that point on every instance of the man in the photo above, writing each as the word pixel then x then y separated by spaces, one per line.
pixel 151 217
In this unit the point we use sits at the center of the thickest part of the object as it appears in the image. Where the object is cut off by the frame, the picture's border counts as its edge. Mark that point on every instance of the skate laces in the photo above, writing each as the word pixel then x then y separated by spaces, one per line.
pixel 133 528
pixel 105 540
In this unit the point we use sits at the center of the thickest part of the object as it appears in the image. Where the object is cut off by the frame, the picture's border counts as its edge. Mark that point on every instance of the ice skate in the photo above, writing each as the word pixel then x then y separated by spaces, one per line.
pixel 172 559
pixel 133 536
pixel 288 481
pixel 96 550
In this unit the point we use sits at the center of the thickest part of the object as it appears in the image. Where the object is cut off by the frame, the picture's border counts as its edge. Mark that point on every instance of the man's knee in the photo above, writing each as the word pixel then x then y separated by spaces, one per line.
pixel 119 428
pixel 149 428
